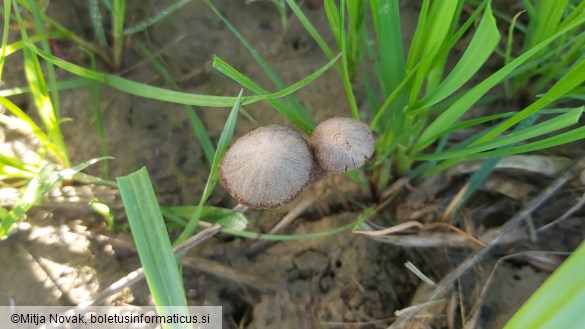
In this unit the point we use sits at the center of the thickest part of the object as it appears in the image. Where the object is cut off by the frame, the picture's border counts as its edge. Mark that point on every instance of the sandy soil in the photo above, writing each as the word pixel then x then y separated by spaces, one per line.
pixel 63 254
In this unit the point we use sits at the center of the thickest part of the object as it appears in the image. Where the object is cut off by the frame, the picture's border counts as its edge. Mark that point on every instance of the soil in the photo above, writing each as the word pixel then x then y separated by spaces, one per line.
pixel 63 253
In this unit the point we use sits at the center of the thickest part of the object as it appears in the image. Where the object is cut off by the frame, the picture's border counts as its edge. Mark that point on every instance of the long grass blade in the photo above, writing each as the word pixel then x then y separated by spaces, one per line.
pixel 442 14
pixel 99 119
pixel 118 15
pixel 3 53
pixel 482 45
pixel 454 112
pixel 222 146
pixel 558 303
pixel 345 74
pixel 166 95
pixel 61 85
pixel 196 124
pixel 305 123
pixel 153 243
pixel 143 25
pixel 96 21
pixel 310 28
pixel 557 123
pixel 35 78
pixel 37 188
pixel 39 25
pixel 296 105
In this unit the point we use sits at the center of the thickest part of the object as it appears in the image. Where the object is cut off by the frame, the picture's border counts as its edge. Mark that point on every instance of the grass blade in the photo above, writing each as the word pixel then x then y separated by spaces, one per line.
pixel 386 16
pixel 37 188
pixel 296 105
pixel 96 21
pixel 571 80
pixel 47 112
pixel 558 303
pixel 455 111
pixel 441 16
pixel 99 120
pixel 166 95
pixel 482 45
pixel 196 124
pixel 153 243
pixel 143 25
pixel 16 111
pixel 557 123
pixel 3 54
pixel 310 28
pixel 222 146
pixel 118 14
pixel 345 74
pixel 227 218
pixel 334 20
pixel 305 123
pixel 61 85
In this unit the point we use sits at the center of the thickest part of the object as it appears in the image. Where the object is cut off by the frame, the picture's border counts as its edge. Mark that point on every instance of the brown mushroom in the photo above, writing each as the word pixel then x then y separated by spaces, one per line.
pixel 268 167
pixel 342 144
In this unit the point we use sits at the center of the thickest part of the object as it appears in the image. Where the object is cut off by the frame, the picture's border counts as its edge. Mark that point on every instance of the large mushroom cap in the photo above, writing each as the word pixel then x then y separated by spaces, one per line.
pixel 267 167
pixel 342 144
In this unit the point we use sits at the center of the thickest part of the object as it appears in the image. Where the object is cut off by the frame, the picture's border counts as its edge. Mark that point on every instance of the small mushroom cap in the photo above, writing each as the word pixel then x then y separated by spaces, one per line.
pixel 268 167
pixel 342 144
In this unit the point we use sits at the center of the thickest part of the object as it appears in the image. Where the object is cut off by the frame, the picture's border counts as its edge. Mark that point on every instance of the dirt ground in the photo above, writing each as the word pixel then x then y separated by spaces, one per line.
pixel 63 254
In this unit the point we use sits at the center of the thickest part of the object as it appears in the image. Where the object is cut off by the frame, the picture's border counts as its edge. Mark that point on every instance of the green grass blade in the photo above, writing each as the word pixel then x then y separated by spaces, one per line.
pixel 478 178
pixel 556 140
pixel 345 74
pixel 69 34
pixel 227 218
pixel 558 303
pixel 383 109
pixel 442 14
pixel 61 85
pixel 16 111
pixel 296 105
pixel 37 188
pixel 544 21
pixel 574 78
pixel 388 34
pixel 44 107
pixel 419 39
pixel 216 215
pixel 96 21
pixel 557 123
pixel 143 25
pixel 18 45
pixel 118 14
pixel 334 20
pixel 12 168
pixel 99 119
pixel 166 95
pixel 196 124
pixel 482 45
pixel 222 146
pixel 304 122
pixel 50 68
pixel 3 54
pixel 508 51
pixel 153 243
pixel 35 78
pixel 454 112
pixel 310 28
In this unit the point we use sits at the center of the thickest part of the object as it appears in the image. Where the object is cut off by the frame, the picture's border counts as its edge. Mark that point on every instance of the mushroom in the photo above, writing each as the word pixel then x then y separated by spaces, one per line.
pixel 342 144
pixel 268 167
